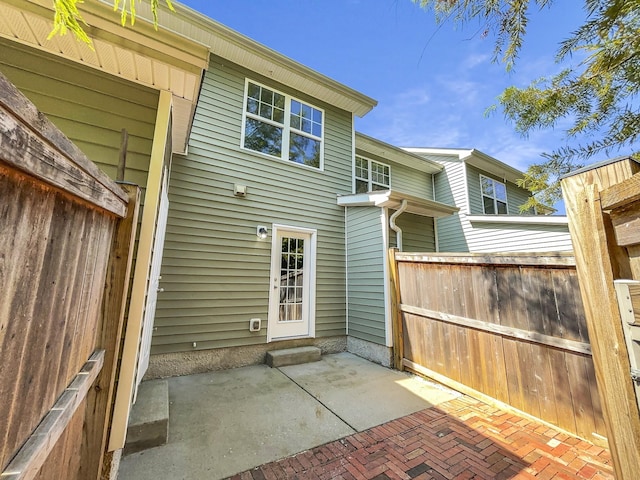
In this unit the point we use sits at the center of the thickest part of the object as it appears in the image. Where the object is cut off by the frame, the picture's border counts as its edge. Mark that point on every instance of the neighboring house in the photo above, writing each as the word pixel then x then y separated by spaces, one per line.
pixel 489 220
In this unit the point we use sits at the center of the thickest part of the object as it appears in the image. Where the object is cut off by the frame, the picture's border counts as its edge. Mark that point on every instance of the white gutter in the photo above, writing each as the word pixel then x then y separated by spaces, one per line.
pixel 394 227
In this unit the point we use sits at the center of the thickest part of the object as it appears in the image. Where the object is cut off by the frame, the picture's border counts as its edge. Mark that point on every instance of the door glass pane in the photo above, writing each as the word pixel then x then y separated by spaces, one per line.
pixel 291 279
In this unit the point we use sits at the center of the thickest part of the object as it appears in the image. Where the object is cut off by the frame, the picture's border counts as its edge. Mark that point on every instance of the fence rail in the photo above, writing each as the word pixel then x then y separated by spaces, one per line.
pixel 508 327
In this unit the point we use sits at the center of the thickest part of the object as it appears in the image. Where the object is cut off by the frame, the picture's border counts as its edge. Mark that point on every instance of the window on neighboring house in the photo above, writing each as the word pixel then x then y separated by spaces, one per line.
pixel 372 175
pixel 280 126
pixel 494 196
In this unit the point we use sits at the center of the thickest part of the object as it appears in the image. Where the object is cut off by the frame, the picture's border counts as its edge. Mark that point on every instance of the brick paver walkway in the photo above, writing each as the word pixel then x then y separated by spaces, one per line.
pixel 461 439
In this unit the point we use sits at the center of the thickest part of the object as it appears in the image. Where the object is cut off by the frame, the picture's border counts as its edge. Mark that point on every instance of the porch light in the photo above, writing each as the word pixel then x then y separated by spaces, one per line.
pixel 261 232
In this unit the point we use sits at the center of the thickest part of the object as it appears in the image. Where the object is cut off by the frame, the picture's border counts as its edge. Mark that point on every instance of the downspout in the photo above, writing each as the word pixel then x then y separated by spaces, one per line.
pixel 394 227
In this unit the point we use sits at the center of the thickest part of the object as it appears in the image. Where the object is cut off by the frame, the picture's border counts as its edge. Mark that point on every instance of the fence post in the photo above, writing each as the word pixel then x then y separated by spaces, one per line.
pixel 598 262
pixel 396 314
pixel 100 398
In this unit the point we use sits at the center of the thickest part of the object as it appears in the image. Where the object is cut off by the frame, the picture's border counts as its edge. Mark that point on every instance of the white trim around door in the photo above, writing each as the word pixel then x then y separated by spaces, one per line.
pixel 292 283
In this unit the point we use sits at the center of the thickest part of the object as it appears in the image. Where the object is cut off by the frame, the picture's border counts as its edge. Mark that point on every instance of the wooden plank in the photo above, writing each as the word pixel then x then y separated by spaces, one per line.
pixel 580 395
pixel 23 109
pixel 396 315
pixel 545 386
pixel 100 399
pixel 547 260
pixel 428 373
pixel 25 151
pixel 623 193
pixel 25 220
pixel 626 224
pixel 27 462
pixel 562 392
pixel 590 238
pixel 509 332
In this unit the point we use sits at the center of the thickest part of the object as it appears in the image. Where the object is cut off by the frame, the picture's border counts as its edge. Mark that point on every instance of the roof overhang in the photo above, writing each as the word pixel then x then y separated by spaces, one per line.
pixel 241 50
pixel 161 60
pixel 473 157
pixel 393 200
pixel 368 146
pixel 482 161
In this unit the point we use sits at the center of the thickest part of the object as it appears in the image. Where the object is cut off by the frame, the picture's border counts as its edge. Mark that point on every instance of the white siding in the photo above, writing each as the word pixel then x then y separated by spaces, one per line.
pixel 365 264
pixel 501 237
pixel 451 188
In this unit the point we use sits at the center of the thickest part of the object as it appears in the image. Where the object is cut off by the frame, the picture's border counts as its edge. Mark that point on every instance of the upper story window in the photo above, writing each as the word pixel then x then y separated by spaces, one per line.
pixel 280 126
pixel 494 196
pixel 372 175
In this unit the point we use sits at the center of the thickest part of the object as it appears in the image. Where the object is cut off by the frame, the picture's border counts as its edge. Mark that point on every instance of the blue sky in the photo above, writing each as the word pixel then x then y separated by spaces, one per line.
pixel 432 83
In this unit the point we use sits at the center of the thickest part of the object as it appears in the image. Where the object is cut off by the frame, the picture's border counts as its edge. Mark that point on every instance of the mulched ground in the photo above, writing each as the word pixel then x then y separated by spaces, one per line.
pixel 462 439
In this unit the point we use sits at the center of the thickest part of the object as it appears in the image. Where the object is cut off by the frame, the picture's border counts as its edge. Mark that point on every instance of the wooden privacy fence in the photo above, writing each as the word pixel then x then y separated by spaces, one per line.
pixel 504 327
pixel 66 233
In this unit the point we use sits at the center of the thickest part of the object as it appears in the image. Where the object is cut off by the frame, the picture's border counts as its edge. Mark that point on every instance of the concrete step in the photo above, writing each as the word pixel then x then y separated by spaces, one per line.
pixel 149 417
pixel 293 356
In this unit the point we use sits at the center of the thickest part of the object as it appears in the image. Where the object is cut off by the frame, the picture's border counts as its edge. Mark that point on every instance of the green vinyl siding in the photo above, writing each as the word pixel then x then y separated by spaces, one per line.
pixel 405 179
pixel 215 272
pixel 516 196
pixel 411 182
pixel 88 106
pixel 365 266
pixel 418 234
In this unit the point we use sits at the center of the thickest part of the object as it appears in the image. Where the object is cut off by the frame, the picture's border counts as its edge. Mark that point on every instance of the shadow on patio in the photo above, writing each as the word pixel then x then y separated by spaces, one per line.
pixel 344 417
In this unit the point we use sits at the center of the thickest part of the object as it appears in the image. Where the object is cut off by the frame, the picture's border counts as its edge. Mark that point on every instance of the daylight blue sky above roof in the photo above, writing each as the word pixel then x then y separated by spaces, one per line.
pixel 433 83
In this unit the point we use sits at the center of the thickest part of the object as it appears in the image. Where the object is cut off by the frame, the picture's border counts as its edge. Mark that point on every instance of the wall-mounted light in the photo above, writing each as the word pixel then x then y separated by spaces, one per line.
pixel 261 232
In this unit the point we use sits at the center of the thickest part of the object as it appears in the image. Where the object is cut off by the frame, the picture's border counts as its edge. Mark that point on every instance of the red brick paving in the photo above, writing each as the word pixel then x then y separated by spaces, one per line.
pixel 462 439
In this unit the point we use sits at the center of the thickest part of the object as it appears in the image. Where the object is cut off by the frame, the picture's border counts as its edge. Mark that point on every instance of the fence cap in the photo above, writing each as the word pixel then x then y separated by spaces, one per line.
pixel 602 163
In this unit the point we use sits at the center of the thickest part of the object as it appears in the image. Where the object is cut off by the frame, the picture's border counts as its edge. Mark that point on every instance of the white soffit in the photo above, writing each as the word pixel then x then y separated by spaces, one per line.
pixel 494 166
pixel 393 200
pixel 368 145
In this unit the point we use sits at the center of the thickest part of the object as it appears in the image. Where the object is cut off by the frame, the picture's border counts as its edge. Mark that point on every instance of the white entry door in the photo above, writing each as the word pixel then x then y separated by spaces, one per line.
pixel 292 293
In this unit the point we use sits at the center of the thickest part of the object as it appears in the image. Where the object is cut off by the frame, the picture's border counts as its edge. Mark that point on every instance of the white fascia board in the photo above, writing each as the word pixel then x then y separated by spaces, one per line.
pixel 523 219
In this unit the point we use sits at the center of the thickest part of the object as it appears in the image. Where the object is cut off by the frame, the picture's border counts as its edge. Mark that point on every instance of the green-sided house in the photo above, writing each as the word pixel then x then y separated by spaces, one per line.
pixel 279 214
pixel 262 248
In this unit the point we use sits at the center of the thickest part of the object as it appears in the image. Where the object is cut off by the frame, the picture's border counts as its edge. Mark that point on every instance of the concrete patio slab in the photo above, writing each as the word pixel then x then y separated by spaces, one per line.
pixel 364 394
pixel 222 423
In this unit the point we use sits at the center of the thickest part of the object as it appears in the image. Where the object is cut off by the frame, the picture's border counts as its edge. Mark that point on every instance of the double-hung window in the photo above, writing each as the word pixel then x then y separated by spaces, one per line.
pixel 280 126
pixel 372 175
pixel 494 196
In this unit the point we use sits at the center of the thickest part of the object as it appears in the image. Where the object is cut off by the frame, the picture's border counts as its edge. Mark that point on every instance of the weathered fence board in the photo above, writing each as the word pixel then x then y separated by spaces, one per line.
pixel 512 330
pixel 58 218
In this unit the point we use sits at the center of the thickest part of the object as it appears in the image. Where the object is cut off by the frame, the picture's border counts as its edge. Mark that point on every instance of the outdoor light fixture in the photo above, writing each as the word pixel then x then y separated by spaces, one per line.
pixel 261 232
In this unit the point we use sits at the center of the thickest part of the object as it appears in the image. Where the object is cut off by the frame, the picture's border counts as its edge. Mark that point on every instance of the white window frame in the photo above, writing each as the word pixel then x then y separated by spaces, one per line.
pixel 369 180
pixel 494 198
pixel 286 126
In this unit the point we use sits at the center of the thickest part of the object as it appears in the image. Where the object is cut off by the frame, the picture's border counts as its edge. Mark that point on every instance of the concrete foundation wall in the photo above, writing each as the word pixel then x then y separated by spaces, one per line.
pixel 201 361
pixel 370 351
